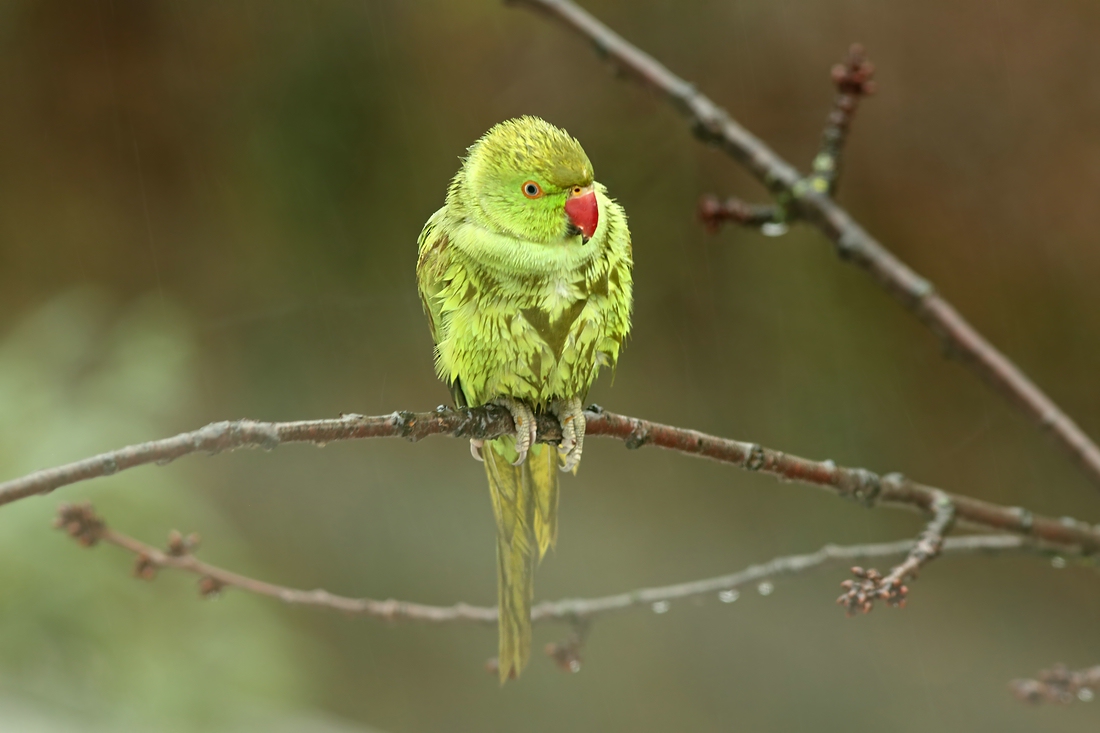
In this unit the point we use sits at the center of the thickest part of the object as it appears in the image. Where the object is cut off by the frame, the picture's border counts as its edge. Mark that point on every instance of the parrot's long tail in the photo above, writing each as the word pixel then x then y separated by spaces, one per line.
pixel 525 502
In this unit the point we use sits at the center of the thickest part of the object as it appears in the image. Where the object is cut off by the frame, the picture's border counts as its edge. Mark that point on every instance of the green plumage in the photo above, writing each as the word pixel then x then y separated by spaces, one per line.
pixel 524 310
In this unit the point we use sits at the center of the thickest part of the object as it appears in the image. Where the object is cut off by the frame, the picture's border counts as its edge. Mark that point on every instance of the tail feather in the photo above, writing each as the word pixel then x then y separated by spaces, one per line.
pixel 541 474
pixel 525 504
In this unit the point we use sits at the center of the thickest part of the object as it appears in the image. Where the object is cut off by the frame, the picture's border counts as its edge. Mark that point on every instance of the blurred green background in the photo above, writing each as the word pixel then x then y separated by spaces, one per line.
pixel 209 210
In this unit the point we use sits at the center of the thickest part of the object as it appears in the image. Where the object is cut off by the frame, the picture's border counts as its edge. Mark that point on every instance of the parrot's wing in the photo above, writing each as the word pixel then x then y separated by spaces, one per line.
pixel 432 264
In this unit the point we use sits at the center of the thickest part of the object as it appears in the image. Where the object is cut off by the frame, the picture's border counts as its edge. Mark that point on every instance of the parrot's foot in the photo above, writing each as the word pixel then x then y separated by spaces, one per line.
pixel 475 449
pixel 526 426
pixel 571 416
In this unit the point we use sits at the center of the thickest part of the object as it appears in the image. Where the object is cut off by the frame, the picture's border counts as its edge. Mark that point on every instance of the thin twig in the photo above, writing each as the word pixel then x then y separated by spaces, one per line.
pixel 860 595
pixel 82 523
pixel 1058 685
pixel 714 212
pixel 713 125
pixel 490 421
pixel 853 82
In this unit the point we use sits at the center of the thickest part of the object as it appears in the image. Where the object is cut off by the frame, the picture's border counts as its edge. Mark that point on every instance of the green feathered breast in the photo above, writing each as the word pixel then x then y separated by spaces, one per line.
pixel 524 304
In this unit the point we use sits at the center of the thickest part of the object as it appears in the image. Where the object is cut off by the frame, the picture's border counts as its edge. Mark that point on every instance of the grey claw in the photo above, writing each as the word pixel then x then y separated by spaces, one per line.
pixel 526 427
pixel 568 437
pixel 525 435
pixel 523 439
pixel 572 420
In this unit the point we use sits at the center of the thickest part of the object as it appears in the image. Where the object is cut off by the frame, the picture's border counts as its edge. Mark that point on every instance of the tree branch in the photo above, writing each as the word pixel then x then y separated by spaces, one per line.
pixel 491 421
pixel 82 523
pixel 1058 685
pixel 713 125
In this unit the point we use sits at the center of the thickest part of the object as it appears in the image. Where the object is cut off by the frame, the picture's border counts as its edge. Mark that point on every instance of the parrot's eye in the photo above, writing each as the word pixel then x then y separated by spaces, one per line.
pixel 577 190
pixel 532 190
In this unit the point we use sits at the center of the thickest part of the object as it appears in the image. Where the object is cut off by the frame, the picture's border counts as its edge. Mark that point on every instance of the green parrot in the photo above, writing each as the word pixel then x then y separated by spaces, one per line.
pixel 525 276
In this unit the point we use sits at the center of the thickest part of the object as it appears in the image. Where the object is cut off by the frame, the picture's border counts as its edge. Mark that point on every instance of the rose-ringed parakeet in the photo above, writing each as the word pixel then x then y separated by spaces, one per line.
pixel 525 276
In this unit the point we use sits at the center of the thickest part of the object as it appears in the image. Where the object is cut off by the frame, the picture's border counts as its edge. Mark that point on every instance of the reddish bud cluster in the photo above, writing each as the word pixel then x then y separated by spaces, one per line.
pixel 178 545
pixel 80 522
pixel 1058 685
pixel 859 596
pixel 145 568
pixel 854 76
pixel 210 587
pixel 566 654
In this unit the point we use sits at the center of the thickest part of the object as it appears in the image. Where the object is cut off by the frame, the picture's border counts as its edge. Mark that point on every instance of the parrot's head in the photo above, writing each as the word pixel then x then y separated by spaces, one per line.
pixel 531 180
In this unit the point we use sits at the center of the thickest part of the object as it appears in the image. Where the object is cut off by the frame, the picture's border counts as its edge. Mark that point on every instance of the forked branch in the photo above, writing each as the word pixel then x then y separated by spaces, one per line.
pixel 796 194
pixel 860 595
pixel 853 81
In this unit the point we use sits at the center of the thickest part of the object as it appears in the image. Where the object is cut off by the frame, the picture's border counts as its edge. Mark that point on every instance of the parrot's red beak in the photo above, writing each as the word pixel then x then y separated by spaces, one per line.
pixel 583 211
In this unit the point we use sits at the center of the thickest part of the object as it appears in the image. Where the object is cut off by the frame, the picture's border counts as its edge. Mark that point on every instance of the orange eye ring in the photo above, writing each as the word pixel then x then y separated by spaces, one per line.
pixel 577 190
pixel 531 190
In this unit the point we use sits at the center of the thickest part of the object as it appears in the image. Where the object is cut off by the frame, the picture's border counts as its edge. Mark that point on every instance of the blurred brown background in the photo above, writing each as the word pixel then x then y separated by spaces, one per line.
pixel 209 209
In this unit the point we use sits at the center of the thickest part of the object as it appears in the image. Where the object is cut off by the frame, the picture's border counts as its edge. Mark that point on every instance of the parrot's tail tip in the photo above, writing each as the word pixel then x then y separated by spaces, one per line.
pixel 492 666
